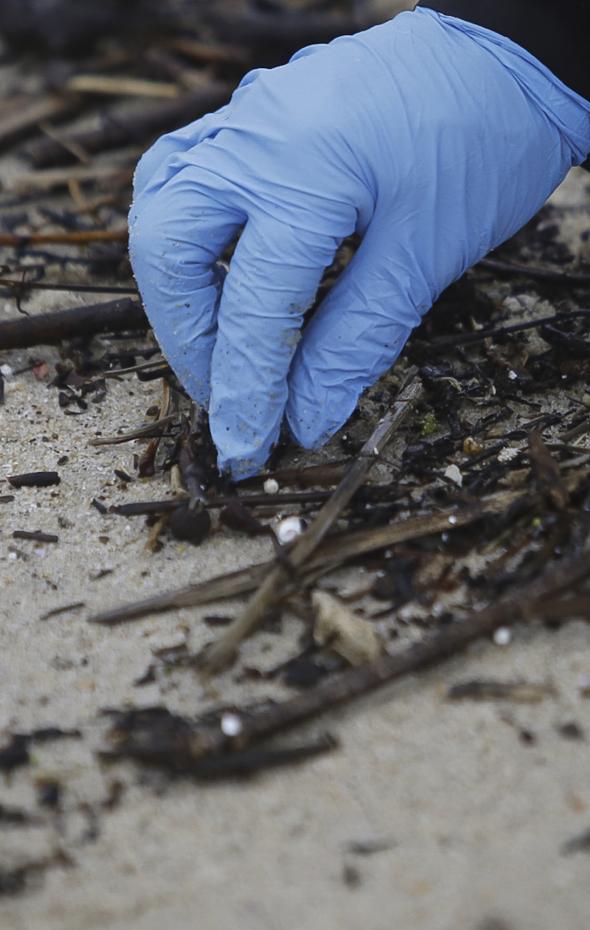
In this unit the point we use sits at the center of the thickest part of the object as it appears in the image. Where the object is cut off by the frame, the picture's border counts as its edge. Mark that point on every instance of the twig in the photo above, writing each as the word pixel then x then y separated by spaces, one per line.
pixel 191 745
pixel 334 551
pixel 528 604
pixel 27 112
pixel 223 651
pixel 209 52
pixel 552 275
pixel 134 128
pixel 61 177
pixel 142 432
pixel 79 237
pixel 109 84
pixel 375 493
pixel 49 328
pixel 66 286
pixel 459 339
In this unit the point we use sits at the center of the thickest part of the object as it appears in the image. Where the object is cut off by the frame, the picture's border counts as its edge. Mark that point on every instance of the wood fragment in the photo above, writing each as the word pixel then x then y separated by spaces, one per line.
pixel 223 651
pixel 66 608
pixel 577 844
pixel 27 112
pixel 35 536
pixel 552 275
pixel 134 129
pixel 209 739
pixel 121 86
pixel 461 339
pixel 522 692
pixel 141 432
pixel 118 174
pixel 49 328
pixel 334 551
pixel 79 237
pixel 34 479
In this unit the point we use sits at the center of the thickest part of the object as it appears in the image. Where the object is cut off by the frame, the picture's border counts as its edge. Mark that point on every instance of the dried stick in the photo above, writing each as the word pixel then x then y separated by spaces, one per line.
pixel 270 592
pixel 49 328
pixel 204 746
pixel 80 237
pixel 333 552
pixel 51 178
pixel 120 86
pixel 19 286
pixel 461 339
pixel 530 603
pixel 133 128
pixel 27 112
pixel 141 432
pixel 552 275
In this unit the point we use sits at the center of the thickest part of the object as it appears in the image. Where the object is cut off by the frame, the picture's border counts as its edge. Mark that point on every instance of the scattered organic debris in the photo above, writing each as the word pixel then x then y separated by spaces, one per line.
pixel 461 485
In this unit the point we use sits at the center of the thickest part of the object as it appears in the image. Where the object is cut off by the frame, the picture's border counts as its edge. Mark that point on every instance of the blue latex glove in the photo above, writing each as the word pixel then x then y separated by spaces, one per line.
pixel 433 138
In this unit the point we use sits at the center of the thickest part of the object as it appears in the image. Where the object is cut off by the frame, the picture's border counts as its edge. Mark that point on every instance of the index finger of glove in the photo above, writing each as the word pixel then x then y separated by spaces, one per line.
pixel 176 236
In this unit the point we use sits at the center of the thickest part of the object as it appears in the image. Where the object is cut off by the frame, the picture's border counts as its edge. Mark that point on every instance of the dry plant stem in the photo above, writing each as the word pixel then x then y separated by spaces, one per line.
pixel 121 86
pixel 27 112
pixel 82 237
pixel 270 592
pixel 209 52
pixel 332 553
pixel 142 432
pixel 141 127
pixel 24 285
pixel 461 339
pixel 51 178
pixel 53 133
pixel 553 275
pixel 49 328
pixel 528 604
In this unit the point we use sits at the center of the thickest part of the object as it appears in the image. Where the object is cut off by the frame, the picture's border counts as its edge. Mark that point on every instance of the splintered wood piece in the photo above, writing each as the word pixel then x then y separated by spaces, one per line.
pixel 270 592
pixel 160 738
pixel 141 432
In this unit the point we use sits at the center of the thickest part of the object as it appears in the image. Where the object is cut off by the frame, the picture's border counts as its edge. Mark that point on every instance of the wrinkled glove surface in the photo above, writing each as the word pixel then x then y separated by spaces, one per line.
pixel 433 138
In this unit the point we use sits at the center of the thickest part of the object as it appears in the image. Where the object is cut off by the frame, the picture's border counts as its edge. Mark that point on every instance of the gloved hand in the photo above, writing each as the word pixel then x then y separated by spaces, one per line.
pixel 433 138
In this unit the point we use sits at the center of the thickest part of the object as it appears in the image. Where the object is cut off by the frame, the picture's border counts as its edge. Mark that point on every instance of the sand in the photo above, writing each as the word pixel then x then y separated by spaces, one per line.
pixel 469 804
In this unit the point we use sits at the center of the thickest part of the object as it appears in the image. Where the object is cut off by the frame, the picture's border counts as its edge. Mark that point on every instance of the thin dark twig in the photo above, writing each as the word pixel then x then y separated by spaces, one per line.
pixel 455 339
pixel 553 275
pixel 269 593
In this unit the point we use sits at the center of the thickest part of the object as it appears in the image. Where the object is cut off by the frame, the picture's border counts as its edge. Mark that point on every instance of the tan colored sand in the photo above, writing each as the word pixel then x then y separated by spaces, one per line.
pixel 474 817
